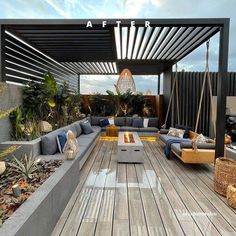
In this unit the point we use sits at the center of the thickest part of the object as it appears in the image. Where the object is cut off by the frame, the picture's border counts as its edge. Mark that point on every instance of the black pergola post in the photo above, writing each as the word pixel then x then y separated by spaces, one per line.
pixel 158 84
pixel 222 88
pixel 79 83
pixel 2 53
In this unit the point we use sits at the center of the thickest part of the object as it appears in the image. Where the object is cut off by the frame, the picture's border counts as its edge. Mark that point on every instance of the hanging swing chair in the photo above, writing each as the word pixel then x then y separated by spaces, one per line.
pixel 192 154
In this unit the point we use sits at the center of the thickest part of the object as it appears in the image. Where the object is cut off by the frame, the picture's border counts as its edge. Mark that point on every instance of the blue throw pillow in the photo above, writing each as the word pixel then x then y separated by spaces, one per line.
pixel 138 123
pixel 104 122
pixel 86 127
pixel 61 141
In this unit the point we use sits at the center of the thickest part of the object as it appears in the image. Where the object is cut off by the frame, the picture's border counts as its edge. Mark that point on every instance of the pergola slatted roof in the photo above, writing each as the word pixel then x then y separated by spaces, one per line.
pixel 107 49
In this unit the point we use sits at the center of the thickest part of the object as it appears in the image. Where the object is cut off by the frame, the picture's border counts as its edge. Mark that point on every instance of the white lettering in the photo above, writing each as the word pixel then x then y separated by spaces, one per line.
pixel 132 23
pixel 89 24
pixel 104 23
pixel 118 23
pixel 147 23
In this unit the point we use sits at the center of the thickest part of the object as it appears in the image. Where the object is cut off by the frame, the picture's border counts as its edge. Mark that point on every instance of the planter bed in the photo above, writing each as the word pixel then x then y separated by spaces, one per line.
pixel 39 214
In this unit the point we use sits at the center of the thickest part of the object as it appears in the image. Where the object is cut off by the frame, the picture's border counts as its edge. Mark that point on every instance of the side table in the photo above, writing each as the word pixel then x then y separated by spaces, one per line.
pixel 112 131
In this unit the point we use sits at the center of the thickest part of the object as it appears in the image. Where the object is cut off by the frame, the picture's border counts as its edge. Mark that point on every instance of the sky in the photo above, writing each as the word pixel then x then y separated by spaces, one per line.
pixel 77 9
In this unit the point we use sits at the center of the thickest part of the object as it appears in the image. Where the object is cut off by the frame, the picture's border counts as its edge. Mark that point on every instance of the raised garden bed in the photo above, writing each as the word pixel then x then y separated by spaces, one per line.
pixel 39 214
pixel 9 203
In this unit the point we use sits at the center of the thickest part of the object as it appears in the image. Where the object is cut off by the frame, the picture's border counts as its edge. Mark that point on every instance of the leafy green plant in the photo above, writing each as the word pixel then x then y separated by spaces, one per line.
pixel 27 166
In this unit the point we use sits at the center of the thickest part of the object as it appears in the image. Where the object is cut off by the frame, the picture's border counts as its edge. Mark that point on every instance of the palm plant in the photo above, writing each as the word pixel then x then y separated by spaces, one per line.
pixel 26 167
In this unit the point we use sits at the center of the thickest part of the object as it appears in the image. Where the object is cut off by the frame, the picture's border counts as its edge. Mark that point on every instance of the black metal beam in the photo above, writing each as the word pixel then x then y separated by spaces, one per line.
pixel 222 89
pixel 2 54
pixel 78 83
pixel 113 22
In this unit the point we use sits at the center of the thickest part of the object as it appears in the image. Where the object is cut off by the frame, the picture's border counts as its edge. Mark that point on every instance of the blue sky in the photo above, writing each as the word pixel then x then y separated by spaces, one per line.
pixel 43 9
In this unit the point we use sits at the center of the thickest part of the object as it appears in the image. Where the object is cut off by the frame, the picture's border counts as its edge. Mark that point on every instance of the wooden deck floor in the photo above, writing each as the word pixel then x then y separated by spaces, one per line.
pixel 159 197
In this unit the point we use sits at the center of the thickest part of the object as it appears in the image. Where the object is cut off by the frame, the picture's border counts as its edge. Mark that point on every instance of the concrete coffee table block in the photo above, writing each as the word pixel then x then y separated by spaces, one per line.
pixel 130 152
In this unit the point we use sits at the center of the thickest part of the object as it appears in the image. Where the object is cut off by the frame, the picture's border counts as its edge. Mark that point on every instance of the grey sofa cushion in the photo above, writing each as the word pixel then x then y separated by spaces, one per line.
pixel 95 120
pixel 199 146
pixel 128 121
pixel 176 148
pixel 49 143
pixel 153 122
pixel 129 128
pixel 148 129
pixel 78 128
pixel 72 128
pixel 165 137
pixel 86 127
pixel 119 121
pixel 137 123
pixel 83 141
pixel 164 131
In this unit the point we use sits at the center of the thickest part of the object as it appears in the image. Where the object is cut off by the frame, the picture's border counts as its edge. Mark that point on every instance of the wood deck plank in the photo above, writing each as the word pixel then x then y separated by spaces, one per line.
pixel 105 218
pixel 158 197
pixel 90 217
pixel 171 224
pixel 138 225
pixel 153 218
pixel 83 176
pixel 76 215
pixel 192 184
pixel 121 208
pixel 187 222
pixel 200 216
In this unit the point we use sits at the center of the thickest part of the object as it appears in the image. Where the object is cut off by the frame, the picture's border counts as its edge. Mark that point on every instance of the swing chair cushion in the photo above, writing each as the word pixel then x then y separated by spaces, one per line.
pixel 199 145
pixel 176 132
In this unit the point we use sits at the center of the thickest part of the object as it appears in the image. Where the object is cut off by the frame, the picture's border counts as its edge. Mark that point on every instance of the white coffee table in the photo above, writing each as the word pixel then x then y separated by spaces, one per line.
pixel 130 152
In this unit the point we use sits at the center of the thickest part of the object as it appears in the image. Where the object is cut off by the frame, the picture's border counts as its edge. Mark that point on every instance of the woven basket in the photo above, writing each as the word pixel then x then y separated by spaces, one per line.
pixel 225 174
pixel 231 195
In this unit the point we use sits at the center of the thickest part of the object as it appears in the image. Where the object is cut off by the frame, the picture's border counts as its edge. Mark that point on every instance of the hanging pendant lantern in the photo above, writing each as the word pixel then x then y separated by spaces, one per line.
pixel 126 81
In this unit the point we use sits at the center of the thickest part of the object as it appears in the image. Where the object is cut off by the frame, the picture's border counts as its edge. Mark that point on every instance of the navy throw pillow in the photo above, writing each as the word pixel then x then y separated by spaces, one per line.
pixel 86 127
pixel 104 122
pixel 137 123
pixel 61 140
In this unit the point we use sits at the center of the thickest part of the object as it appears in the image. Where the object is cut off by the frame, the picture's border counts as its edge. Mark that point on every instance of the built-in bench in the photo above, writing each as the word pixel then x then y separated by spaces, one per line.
pixel 127 124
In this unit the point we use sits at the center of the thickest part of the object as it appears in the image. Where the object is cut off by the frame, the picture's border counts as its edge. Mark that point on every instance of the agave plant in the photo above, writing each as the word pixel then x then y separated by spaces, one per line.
pixel 26 167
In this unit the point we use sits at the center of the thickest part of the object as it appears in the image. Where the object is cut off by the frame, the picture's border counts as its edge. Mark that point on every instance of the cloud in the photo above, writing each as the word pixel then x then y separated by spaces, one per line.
pixel 58 9
pixel 133 9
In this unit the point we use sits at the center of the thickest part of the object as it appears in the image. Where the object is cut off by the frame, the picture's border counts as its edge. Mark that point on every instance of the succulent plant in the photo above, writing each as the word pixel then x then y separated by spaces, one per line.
pixel 27 166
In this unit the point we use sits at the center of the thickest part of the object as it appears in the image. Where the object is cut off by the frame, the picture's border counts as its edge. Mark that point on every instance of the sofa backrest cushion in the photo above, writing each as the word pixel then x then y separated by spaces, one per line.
pixel 119 121
pixel 128 121
pixel 72 128
pixel 49 143
pixel 78 128
pixel 138 123
pixel 184 127
pixel 153 122
pixel 86 127
pixel 61 140
pixel 95 120
pixel 104 122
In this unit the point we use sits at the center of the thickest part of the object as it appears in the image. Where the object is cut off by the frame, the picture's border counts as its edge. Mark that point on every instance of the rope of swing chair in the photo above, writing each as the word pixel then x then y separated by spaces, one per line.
pixel 175 86
pixel 208 78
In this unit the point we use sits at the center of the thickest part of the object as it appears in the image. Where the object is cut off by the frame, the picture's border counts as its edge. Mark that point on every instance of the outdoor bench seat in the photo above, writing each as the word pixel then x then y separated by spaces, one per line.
pixel 86 143
pixel 126 124
pixel 205 152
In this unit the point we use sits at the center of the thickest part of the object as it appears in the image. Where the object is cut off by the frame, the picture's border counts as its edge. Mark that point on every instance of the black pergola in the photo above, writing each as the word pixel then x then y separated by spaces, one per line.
pixel 106 46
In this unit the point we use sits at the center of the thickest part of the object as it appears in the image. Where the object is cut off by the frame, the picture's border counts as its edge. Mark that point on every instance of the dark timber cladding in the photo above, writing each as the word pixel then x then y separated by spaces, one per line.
pixel 106 46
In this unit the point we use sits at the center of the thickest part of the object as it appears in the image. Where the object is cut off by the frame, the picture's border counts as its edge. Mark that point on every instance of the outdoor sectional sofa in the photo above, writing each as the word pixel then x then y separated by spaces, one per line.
pixel 49 146
pixel 205 152
pixel 126 124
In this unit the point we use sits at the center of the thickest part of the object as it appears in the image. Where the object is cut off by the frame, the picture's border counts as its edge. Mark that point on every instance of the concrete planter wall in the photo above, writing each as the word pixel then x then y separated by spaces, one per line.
pixel 40 213
pixel 25 147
